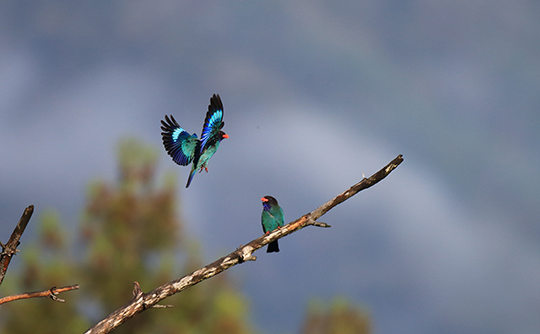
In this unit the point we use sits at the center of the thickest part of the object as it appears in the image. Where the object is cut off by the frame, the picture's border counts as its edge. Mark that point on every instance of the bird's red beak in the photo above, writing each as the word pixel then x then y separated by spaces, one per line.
pixel 264 199
pixel 225 135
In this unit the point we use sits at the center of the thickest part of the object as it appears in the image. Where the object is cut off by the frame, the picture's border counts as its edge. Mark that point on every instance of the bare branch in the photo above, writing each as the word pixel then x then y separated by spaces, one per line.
pixel 51 293
pixel 10 249
pixel 143 301
pixel 320 224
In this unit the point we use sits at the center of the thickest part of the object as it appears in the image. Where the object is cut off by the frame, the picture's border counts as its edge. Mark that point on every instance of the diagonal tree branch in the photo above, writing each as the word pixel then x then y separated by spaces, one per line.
pixel 143 301
pixel 51 293
pixel 10 248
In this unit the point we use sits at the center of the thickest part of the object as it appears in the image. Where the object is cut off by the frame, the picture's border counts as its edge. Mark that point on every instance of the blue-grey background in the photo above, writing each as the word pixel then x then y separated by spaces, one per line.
pixel 315 93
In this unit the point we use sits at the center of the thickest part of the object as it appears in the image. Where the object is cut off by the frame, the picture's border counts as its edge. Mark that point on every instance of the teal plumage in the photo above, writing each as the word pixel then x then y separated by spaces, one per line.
pixel 271 218
pixel 185 148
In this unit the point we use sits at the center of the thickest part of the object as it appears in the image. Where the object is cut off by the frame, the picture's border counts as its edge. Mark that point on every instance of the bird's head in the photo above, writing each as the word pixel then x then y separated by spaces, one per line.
pixel 222 135
pixel 269 201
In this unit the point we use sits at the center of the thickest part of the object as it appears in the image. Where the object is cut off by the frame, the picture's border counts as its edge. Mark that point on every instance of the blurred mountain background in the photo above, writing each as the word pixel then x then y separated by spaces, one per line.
pixel 315 94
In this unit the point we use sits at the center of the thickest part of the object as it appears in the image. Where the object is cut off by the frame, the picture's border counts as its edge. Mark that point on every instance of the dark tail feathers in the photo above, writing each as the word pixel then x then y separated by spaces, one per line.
pixel 272 247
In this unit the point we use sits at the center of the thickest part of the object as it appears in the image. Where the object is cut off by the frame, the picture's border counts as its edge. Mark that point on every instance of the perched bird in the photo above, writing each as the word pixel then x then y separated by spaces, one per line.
pixel 271 218
pixel 185 148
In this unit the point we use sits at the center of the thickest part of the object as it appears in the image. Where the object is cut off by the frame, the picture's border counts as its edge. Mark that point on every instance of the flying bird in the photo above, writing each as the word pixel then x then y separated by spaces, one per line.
pixel 271 218
pixel 185 148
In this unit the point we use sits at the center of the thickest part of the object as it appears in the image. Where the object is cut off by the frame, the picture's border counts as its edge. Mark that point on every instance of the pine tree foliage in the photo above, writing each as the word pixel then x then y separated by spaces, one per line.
pixel 130 231
pixel 340 318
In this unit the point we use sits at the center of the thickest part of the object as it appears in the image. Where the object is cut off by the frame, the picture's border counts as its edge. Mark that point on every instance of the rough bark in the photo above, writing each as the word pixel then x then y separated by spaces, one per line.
pixel 143 301
pixel 10 248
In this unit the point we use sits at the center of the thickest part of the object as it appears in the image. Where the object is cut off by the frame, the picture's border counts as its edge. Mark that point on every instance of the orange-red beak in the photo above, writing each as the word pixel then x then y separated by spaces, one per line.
pixel 225 135
pixel 264 199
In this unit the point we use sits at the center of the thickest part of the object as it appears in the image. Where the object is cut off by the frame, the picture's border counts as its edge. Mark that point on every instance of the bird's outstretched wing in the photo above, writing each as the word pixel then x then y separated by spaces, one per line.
pixel 212 123
pixel 179 144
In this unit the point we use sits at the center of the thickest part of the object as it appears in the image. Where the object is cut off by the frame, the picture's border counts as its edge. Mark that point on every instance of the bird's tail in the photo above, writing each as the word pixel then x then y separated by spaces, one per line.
pixel 272 247
pixel 191 175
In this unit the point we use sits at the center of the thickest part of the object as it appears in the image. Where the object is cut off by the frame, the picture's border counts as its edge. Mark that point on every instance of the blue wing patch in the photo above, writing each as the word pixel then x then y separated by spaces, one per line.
pixel 185 148
pixel 213 121
pixel 179 144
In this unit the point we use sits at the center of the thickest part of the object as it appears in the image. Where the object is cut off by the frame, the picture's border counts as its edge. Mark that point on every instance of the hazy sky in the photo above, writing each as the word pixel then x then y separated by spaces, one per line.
pixel 315 94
